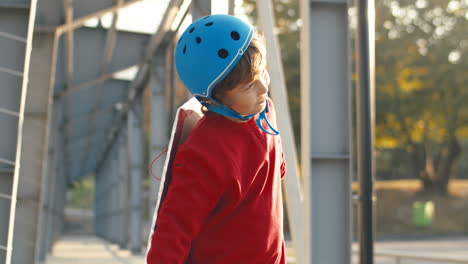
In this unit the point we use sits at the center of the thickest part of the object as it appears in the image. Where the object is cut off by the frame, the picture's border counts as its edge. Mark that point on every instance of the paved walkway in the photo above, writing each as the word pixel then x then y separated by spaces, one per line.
pixel 434 251
pixel 92 250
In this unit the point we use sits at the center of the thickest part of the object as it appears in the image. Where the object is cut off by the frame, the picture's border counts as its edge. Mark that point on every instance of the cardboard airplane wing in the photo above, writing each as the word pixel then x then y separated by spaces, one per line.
pixel 185 120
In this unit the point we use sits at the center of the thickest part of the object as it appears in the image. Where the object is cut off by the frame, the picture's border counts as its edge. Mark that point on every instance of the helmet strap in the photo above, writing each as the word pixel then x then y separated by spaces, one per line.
pixel 262 116
pixel 226 111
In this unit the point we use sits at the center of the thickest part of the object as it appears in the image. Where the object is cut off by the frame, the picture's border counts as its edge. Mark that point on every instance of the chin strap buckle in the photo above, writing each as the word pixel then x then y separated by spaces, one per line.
pixel 262 116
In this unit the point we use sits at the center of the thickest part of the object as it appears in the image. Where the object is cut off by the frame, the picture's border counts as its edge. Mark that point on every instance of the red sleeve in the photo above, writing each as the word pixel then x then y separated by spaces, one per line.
pixel 195 189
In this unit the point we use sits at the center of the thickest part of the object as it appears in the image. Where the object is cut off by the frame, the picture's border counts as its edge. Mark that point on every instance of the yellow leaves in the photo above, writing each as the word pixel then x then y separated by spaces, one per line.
pixel 395 132
pixel 462 132
pixel 386 142
pixel 385 131
pixel 410 79
pixel 430 127
pixel 417 133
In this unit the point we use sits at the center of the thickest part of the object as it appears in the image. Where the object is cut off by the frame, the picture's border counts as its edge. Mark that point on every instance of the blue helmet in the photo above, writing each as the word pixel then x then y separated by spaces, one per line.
pixel 209 49
pixel 207 52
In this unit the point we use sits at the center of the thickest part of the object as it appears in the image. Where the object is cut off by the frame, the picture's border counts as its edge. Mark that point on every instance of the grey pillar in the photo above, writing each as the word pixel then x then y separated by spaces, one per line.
pixel 326 129
pixel 135 149
pixel 114 214
pixel 159 125
pixel 110 197
pixel 103 200
pixel 97 204
pixel 16 34
pixel 57 195
pixel 49 186
pixel 106 198
pixel 53 189
pixel 33 151
pixel 123 195
pixel 115 232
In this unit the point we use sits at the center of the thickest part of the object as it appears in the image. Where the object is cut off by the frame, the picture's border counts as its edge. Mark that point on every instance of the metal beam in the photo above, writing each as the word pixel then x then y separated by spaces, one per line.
pixel 365 120
pixel 138 84
pixel 124 196
pixel 48 185
pixel 20 23
pixel 69 42
pixel 88 84
pixel 82 20
pixel 159 136
pixel 135 156
pixel 33 155
pixel 326 130
pixel 108 52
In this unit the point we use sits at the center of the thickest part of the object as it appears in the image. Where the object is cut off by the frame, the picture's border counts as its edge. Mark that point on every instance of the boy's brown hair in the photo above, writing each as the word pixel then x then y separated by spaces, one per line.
pixel 249 66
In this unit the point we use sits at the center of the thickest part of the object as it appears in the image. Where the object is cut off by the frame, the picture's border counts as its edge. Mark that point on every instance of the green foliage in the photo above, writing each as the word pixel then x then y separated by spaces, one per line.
pixel 82 194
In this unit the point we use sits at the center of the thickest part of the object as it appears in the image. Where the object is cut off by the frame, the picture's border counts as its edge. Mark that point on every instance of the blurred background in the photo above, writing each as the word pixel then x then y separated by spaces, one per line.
pixel 103 94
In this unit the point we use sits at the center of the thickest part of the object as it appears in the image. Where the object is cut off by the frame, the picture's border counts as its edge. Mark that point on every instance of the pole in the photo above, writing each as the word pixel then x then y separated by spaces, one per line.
pixel 365 56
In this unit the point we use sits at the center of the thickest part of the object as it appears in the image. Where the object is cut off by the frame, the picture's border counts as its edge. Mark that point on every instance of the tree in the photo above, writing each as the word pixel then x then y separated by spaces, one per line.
pixel 422 85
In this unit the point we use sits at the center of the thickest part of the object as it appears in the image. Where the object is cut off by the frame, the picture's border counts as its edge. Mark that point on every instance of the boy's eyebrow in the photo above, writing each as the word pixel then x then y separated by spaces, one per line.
pixel 257 76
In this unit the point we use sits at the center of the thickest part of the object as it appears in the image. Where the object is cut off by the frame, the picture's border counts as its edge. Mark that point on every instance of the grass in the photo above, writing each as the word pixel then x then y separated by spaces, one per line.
pixel 457 187
pixel 395 214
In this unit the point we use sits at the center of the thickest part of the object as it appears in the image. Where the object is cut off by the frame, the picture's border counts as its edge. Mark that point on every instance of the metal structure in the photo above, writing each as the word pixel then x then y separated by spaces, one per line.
pixel 75 118
pixel 365 54
pixel 326 117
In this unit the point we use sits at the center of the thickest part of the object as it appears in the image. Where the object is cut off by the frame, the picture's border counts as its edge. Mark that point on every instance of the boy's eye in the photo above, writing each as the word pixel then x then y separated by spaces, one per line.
pixel 250 85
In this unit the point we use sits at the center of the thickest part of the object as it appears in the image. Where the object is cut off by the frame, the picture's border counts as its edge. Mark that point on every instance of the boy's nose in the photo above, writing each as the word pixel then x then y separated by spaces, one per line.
pixel 263 88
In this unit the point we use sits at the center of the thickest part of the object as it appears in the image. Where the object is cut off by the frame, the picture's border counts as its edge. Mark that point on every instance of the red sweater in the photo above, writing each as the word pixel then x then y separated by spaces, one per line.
pixel 224 203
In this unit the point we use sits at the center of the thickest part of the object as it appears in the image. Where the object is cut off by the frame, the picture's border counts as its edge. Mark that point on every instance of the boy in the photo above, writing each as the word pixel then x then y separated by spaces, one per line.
pixel 223 204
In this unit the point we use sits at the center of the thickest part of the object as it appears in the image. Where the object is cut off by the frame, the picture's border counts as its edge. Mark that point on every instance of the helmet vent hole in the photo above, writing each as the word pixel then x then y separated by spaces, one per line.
pixel 206 17
pixel 222 53
pixel 235 35
pixel 191 30
pixel 209 24
pixel 198 40
pixel 185 49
